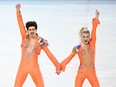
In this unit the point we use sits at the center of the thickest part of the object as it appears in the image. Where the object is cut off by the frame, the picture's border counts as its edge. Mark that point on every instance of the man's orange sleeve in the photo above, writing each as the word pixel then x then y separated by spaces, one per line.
pixel 21 25
pixel 51 57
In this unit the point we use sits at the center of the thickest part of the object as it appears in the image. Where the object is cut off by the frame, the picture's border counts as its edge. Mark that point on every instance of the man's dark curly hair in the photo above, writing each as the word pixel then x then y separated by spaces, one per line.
pixel 31 23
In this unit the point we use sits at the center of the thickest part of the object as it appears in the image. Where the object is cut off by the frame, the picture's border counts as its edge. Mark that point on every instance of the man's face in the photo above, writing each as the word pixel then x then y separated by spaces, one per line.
pixel 85 37
pixel 32 31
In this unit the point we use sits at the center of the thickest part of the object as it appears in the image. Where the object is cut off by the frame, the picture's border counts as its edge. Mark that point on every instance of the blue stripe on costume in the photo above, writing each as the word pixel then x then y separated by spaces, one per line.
pixel 76 48
pixel 43 42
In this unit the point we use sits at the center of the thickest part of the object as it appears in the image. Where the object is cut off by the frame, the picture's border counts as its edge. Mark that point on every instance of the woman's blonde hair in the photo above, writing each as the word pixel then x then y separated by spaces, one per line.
pixel 84 30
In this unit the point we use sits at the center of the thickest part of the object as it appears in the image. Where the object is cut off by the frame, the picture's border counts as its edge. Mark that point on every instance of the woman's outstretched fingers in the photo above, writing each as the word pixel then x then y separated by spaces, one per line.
pixel 97 13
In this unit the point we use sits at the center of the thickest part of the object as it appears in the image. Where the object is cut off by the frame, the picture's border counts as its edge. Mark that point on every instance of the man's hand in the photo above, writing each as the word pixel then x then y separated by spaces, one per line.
pixel 58 72
pixel 18 6
pixel 97 14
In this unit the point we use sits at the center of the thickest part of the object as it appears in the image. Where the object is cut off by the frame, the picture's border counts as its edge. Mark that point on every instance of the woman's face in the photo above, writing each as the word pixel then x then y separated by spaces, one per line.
pixel 85 38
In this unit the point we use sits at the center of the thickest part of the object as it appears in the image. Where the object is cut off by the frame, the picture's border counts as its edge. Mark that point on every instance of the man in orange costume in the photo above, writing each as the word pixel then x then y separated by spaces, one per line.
pixel 31 48
pixel 86 53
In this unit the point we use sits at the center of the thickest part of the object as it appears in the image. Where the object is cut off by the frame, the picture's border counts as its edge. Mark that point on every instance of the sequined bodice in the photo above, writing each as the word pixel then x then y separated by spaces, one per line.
pixel 86 56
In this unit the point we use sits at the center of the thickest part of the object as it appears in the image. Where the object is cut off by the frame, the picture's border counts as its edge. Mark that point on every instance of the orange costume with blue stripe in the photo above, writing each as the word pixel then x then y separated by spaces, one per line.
pixel 29 62
pixel 86 56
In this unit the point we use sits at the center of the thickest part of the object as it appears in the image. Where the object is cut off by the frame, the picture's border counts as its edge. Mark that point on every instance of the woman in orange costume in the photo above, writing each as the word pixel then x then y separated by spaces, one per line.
pixel 86 54
pixel 31 48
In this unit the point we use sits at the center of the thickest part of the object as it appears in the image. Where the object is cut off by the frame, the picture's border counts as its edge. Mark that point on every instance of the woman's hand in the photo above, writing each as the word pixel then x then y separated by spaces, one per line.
pixel 97 14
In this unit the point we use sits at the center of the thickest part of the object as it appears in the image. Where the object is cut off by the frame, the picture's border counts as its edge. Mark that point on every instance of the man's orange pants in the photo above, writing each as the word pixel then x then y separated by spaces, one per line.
pixel 33 70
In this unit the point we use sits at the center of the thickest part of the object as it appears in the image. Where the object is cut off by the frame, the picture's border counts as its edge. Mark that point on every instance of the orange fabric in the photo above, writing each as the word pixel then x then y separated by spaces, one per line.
pixel 86 56
pixel 86 73
pixel 30 65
